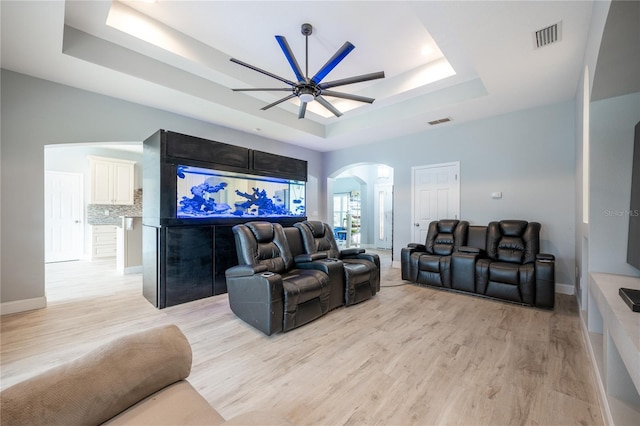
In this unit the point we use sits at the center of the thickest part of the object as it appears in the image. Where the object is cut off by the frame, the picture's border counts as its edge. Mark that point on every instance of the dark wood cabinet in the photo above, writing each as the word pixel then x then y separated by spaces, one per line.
pixel 185 259
pixel 189 267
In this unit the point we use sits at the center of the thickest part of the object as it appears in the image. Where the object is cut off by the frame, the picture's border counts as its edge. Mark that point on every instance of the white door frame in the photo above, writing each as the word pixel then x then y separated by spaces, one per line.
pixel 388 219
pixel 456 200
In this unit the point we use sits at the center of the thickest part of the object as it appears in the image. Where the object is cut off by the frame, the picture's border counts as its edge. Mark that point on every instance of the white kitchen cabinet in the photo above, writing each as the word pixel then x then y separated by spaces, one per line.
pixel 111 181
pixel 103 241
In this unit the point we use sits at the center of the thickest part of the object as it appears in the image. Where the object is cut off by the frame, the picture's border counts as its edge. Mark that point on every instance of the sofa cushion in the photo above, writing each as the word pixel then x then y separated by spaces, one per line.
pixel 302 285
pixel 102 383
pixel 429 263
pixel 504 273
pixel 161 408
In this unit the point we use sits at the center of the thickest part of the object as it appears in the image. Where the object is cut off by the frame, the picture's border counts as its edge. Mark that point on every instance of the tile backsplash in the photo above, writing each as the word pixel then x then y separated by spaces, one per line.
pixel 96 212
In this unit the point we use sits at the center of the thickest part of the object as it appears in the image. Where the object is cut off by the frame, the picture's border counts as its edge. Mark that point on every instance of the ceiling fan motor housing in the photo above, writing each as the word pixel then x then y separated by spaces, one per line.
pixel 307 92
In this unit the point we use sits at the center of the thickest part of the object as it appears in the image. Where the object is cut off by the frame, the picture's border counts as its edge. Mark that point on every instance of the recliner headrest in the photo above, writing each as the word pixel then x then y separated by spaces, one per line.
pixel 513 228
pixel 263 231
pixel 447 225
pixel 317 228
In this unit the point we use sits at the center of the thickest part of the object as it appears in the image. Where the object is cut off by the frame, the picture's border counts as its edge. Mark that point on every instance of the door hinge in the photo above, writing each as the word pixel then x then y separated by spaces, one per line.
pixel 456 177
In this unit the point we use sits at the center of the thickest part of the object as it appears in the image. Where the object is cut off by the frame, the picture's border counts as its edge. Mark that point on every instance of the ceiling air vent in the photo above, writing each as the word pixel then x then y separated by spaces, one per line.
pixel 440 121
pixel 548 35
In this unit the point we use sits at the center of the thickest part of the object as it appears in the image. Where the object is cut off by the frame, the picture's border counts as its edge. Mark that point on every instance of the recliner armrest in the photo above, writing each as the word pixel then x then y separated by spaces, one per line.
pixel 417 246
pixel 256 298
pixel 470 250
pixel 245 270
pixel 545 257
pixel 351 251
pixel 304 258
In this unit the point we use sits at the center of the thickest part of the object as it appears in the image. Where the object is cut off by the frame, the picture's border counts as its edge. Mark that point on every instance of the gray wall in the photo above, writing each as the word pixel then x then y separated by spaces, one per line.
pixel 611 162
pixel 528 155
pixel 36 113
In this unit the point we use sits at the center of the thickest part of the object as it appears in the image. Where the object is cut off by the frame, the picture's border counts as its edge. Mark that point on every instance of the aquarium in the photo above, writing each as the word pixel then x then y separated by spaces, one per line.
pixel 206 193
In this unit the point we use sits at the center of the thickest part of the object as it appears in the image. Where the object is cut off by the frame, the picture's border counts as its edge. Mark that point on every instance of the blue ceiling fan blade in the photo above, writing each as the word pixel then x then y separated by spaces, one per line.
pixel 289 55
pixel 331 63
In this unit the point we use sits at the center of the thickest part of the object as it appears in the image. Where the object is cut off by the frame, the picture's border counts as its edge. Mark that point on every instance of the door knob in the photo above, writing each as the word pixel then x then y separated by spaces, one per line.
pixel 76 221
pixel 416 224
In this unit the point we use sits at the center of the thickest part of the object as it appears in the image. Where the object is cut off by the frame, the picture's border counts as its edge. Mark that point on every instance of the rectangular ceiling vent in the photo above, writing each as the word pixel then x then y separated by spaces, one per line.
pixel 440 121
pixel 547 36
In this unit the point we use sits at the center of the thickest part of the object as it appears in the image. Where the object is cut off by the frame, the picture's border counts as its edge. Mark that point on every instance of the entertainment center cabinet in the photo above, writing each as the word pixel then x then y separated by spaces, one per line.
pixel 614 339
pixel 185 255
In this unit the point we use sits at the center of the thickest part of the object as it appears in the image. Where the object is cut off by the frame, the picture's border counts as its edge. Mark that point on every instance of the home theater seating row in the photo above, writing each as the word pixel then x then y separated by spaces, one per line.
pixel 289 276
pixel 501 260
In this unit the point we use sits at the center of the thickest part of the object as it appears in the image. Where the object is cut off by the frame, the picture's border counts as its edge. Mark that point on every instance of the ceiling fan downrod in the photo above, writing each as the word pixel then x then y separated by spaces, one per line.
pixel 306 31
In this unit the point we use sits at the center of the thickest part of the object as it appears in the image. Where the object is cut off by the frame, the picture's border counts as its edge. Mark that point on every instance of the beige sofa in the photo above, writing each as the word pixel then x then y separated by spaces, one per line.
pixel 138 379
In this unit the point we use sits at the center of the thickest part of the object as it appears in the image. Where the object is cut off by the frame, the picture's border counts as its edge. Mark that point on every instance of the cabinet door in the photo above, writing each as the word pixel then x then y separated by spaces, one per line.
pixel 111 181
pixel 122 183
pixel 101 182
pixel 188 264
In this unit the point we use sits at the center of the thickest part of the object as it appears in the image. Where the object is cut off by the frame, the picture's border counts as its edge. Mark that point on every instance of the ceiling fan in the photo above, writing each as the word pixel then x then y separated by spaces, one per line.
pixel 310 89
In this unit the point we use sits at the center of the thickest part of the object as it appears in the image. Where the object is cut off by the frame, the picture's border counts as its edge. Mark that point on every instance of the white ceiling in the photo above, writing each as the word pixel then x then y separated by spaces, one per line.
pixel 489 44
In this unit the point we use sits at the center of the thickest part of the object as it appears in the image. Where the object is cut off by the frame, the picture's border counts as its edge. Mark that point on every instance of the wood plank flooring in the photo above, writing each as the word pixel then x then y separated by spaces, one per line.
pixel 409 356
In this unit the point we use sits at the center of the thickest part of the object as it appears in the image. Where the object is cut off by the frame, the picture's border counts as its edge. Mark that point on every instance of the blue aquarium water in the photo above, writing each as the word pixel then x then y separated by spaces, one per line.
pixel 206 193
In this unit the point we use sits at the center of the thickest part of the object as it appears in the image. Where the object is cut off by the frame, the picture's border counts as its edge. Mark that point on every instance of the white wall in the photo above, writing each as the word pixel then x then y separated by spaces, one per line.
pixel 611 158
pixel 36 113
pixel 528 155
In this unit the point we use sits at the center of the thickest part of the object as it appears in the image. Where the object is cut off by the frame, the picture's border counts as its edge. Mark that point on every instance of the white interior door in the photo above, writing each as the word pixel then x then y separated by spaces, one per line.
pixel 436 195
pixel 383 215
pixel 63 210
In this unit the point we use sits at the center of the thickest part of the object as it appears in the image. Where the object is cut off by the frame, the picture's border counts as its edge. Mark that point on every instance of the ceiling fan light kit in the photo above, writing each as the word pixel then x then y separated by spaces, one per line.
pixel 309 89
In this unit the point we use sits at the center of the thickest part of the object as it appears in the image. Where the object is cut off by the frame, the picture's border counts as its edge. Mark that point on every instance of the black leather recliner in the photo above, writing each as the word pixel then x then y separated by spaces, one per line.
pixel 429 263
pixel 266 289
pixel 361 269
pixel 320 262
pixel 513 268
pixel 501 261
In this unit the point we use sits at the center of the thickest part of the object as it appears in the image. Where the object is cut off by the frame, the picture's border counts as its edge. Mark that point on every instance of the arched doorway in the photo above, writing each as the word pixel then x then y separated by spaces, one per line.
pixel 360 206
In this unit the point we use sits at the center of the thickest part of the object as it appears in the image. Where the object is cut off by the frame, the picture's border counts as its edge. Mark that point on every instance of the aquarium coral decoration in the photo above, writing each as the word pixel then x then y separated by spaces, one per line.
pixel 264 206
pixel 201 202
pixel 204 193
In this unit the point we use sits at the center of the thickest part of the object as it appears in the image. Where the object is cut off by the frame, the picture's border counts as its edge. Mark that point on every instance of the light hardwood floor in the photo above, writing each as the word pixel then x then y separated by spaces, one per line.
pixel 409 356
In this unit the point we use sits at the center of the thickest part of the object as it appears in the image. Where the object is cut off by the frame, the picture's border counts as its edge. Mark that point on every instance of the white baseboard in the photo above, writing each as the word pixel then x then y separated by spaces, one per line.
pixel 14 307
pixel 565 289
pixel 131 270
